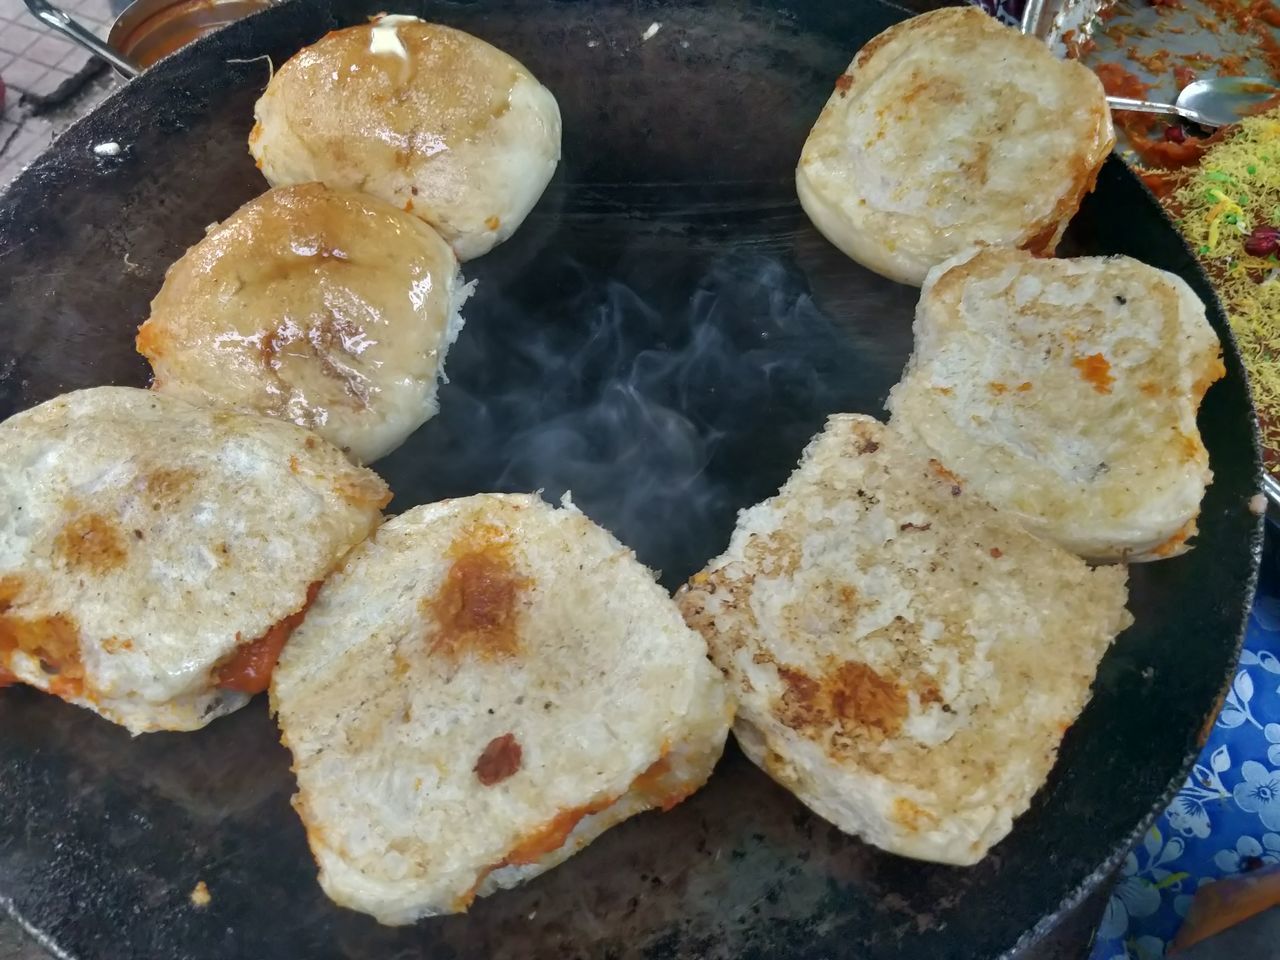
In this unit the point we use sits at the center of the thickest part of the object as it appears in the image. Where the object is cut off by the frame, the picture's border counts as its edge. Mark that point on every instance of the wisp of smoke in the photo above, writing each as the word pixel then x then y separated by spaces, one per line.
pixel 664 401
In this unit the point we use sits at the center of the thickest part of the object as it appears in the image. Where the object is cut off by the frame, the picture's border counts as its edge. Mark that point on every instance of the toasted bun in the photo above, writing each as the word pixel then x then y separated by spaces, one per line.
pixel 950 130
pixel 144 542
pixel 431 119
pixel 486 686
pixel 330 309
pixel 906 658
pixel 1065 392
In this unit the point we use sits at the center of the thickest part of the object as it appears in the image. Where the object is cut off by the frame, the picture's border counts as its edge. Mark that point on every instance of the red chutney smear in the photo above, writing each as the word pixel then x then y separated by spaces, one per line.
pixel 1168 154
pixel 250 666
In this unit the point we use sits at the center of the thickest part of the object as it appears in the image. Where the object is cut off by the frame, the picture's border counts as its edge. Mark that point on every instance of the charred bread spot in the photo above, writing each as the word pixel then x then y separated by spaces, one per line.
pixel 477 608
pixel 850 701
pixel 166 488
pixel 91 543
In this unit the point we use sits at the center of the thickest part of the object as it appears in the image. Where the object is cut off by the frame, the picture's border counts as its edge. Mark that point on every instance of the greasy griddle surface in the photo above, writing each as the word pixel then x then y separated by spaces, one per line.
pixel 663 335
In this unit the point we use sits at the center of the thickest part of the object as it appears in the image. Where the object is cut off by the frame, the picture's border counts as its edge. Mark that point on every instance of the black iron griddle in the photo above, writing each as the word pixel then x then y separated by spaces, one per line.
pixel 663 335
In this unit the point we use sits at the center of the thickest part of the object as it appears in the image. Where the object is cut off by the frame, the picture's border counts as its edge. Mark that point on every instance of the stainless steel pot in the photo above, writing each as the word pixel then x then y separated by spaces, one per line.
pixel 148 29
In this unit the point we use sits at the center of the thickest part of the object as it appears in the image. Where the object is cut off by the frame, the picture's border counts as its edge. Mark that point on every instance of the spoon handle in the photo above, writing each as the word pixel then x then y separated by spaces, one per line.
pixel 1143 106
pixel 1151 106
pixel 54 17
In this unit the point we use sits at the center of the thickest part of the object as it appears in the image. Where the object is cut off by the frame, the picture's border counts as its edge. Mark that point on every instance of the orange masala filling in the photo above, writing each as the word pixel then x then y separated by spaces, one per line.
pixel 551 836
pixel 1095 370
pixel 250 665
pixel 52 640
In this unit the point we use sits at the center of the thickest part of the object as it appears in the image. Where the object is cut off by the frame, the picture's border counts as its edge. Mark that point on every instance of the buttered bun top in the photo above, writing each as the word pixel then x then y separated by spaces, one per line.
pixel 326 308
pixel 430 119
pixel 949 131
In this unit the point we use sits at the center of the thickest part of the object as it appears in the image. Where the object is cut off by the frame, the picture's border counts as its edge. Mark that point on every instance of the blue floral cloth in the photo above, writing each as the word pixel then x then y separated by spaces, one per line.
pixel 1226 817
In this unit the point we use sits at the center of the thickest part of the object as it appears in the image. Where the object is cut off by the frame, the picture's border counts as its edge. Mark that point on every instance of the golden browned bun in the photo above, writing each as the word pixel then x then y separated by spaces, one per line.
pixel 431 119
pixel 330 309
pixel 948 131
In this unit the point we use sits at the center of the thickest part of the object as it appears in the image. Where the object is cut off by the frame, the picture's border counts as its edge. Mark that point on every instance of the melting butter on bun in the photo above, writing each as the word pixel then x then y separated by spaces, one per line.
pixel 1065 392
pixel 331 309
pixel 947 131
pixel 906 658
pixel 485 687
pixel 433 120
pixel 154 555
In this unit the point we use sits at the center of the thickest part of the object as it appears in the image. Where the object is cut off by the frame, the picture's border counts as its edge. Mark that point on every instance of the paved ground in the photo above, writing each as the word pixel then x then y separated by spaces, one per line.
pixel 35 61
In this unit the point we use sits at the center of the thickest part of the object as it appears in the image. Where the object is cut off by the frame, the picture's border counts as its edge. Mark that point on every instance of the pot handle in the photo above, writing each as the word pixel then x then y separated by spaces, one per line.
pixel 53 17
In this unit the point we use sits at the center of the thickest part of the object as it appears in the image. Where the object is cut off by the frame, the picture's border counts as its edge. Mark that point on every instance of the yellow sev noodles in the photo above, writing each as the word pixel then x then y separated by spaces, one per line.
pixel 1235 188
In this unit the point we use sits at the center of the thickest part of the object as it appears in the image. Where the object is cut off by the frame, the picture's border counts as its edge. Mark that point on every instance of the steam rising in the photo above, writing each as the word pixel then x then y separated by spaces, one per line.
pixel 664 403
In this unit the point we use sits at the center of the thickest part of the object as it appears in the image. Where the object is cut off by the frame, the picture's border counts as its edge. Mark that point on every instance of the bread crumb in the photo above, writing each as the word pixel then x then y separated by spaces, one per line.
pixel 108 149
pixel 200 897
pixel 1258 504
pixel 651 32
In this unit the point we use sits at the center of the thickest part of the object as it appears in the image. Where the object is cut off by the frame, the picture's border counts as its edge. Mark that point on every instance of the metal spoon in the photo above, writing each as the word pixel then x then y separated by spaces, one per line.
pixel 56 18
pixel 1215 102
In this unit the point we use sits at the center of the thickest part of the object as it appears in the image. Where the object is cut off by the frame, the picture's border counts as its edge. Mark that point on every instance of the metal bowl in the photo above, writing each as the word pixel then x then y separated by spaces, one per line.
pixel 151 29
pixel 148 30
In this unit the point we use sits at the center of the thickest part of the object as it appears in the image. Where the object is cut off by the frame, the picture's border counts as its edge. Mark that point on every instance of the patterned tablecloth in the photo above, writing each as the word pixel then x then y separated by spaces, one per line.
pixel 1226 817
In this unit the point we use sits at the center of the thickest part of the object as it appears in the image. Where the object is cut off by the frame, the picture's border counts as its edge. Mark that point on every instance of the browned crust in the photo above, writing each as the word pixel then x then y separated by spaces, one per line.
pixel 53 640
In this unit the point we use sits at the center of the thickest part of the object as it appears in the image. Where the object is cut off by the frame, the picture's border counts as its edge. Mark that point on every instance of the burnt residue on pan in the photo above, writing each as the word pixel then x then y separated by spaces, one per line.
pixel 661 336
